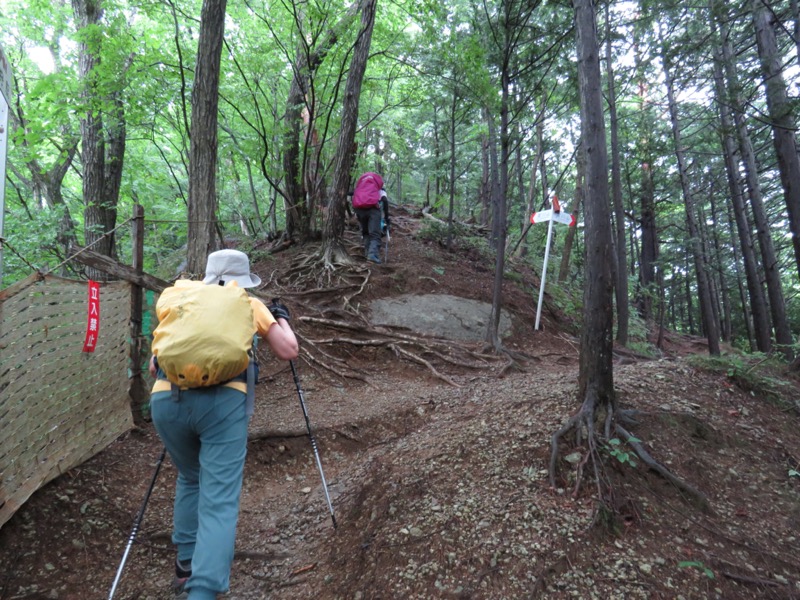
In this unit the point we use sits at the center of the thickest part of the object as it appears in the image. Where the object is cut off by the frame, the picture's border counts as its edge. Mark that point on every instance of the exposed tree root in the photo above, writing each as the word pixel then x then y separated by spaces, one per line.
pixel 583 424
pixel 586 425
pixel 654 465
pixel 343 374
pixel 398 350
pixel 330 283
pixel 406 345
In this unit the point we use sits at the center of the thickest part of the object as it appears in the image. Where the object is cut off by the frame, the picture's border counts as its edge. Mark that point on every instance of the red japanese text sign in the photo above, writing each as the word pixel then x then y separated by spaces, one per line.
pixel 93 323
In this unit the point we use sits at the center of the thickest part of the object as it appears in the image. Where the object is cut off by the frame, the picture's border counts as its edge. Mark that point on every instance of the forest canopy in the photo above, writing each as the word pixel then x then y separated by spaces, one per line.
pixel 470 111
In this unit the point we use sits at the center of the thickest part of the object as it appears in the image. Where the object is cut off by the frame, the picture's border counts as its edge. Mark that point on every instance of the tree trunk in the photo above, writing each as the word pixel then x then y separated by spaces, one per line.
pixel 452 199
pixel 780 112
pixel 333 250
pixel 758 304
pixel 485 189
pixel 500 224
pixel 703 283
pixel 100 210
pixel 769 262
pixel 494 179
pixel 648 255
pixel 295 162
pixel 744 297
pixel 538 156
pixel 203 144
pixel 596 384
pixel 712 233
pixel 621 262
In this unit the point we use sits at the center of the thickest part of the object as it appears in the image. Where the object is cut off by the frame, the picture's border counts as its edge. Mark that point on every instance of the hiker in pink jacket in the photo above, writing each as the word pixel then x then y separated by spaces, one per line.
pixel 369 198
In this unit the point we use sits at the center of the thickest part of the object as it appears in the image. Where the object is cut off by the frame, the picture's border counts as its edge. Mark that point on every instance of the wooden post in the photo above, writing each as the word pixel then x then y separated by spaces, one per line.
pixel 137 390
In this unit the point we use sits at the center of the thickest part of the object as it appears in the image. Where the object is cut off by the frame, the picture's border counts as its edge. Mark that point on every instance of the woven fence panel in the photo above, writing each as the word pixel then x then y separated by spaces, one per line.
pixel 59 406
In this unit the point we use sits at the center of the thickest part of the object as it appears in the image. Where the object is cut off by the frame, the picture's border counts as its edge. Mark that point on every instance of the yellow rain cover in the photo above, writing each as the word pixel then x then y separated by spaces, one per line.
pixel 204 333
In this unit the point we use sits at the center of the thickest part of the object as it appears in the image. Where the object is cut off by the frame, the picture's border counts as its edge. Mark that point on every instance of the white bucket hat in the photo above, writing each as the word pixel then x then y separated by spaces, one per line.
pixel 230 265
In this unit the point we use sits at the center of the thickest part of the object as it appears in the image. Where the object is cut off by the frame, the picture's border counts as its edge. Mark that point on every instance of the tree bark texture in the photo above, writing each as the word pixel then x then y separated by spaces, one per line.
pixel 500 217
pixel 620 256
pixel 203 143
pixel 295 154
pixel 780 113
pixel 596 373
pixel 769 261
pixel 102 164
pixel 648 254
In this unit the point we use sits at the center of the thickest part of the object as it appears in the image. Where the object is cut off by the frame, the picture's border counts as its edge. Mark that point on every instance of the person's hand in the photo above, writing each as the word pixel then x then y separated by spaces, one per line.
pixel 386 226
pixel 278 310
pixel 153 366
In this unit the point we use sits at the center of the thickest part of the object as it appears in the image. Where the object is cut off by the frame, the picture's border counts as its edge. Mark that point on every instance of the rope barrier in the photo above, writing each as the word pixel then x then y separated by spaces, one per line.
pixel 5 243
pixel 233 220
pixel 98 240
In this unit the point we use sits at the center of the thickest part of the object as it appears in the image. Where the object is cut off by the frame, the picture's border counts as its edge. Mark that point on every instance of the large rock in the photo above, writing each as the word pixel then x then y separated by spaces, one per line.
pixel 438 315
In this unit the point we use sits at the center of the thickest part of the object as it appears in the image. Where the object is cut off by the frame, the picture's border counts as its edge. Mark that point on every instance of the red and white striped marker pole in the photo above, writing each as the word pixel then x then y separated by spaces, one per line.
pixel 551 215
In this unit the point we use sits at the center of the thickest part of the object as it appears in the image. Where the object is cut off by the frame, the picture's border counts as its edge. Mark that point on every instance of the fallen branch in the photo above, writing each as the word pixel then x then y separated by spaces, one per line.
pixel 752 580
pixel 301 570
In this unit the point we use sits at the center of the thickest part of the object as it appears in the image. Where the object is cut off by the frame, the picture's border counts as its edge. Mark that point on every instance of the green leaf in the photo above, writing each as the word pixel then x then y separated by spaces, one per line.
pixel 697 565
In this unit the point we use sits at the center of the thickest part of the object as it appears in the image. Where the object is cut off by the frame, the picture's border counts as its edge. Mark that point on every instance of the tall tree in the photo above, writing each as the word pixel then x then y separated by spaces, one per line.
pixel 758 304
pixel 621 258
pixel 333 250
pixel 595 377
pixel 782 120
pixel 769 259
pixel 103 135
pixel 648 254
pixel 696 243
pixel 203 145
pixel 298 103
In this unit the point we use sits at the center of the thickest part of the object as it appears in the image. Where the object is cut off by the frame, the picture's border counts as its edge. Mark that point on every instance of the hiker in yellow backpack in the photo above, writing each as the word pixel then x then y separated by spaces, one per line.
pixel 203 421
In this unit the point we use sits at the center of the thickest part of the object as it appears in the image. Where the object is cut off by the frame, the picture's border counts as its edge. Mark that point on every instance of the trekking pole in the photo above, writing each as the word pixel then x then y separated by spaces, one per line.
pixel 136 524
pixel 313 441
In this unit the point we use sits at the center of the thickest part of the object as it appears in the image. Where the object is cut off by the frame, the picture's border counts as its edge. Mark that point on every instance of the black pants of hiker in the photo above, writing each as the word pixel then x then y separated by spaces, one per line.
pixel 370 221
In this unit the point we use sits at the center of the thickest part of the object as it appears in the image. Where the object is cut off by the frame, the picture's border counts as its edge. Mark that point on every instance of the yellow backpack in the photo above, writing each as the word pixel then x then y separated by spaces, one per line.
pixel 204 334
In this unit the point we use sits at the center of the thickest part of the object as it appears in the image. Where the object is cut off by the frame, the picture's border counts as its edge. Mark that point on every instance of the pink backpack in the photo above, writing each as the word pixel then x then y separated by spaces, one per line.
pixel 368 190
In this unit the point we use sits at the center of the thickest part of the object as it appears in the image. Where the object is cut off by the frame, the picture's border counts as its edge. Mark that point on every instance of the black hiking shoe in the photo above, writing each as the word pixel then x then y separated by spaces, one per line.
pixel 183 570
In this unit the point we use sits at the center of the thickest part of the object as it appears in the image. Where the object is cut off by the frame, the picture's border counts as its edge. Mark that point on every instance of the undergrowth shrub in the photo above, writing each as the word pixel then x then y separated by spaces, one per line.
pixel 637 335
pixel 758 374
pixel 464 239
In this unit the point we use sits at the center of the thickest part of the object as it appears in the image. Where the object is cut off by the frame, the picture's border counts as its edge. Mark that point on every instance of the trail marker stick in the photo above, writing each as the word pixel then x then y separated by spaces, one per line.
pixel 552 215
